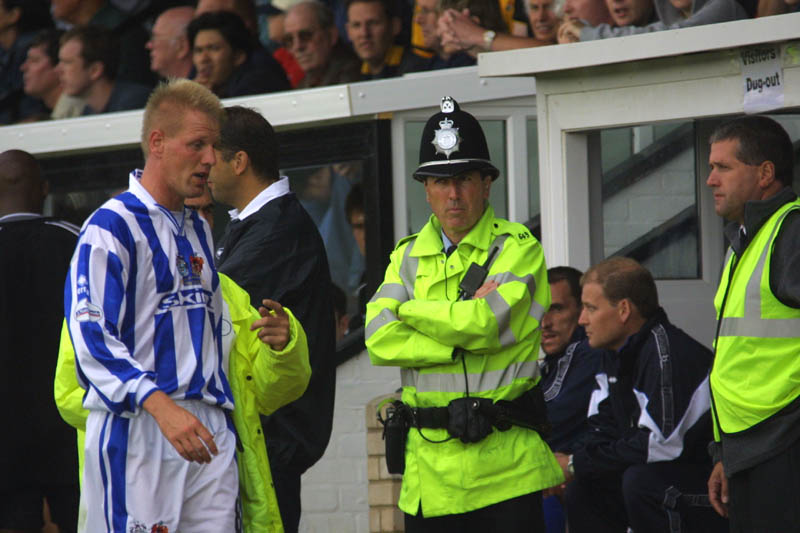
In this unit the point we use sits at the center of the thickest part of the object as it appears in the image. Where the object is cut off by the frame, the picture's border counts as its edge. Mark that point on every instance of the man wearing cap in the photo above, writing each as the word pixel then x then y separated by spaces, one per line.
pixel 459 312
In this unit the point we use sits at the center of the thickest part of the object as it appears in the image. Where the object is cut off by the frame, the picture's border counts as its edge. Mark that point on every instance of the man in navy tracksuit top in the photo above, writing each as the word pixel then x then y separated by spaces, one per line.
pixel 649 419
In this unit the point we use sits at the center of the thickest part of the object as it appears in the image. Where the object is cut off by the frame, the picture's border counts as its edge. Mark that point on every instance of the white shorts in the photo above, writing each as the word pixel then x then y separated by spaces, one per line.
pixel 134 480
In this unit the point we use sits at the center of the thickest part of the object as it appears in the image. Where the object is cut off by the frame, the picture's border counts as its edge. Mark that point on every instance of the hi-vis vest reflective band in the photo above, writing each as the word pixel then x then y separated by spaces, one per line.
pixel 757 365
pixel 449 382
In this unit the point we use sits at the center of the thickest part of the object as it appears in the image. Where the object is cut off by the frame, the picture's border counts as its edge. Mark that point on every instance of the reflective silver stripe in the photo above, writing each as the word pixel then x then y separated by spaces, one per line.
pixel 383 318
pixel 408 269
pixel 766 328
pixel 751 324
pixel 408 377
pixel 536 310
pixel 502 313
pixel 478 382
pixel 396 291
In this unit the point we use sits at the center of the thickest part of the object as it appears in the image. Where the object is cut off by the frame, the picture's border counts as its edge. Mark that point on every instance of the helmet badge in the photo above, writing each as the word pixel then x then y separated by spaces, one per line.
pixel 446 139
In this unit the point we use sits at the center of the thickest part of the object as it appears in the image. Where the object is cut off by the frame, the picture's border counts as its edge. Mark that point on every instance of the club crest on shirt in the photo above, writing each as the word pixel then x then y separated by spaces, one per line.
pixel 159 528
pixel 191 271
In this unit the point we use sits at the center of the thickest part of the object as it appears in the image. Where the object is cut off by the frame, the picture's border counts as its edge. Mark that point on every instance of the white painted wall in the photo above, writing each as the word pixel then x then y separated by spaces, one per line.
pixel 334 490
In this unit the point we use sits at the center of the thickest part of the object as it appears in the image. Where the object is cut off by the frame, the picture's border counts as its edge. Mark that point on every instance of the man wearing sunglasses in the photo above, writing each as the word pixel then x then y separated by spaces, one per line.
pixel 312 38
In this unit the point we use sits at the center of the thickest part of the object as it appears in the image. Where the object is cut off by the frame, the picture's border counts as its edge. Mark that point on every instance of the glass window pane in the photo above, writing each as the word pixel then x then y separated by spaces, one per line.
pixel 418 209
pixel 649 196
pixel 323 191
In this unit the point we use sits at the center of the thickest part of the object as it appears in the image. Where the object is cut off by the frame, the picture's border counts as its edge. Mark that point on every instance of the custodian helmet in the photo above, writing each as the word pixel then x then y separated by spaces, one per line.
pixel 453 143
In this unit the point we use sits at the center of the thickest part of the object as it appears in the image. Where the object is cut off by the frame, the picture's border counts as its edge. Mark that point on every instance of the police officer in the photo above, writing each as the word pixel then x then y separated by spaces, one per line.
pixel 459 311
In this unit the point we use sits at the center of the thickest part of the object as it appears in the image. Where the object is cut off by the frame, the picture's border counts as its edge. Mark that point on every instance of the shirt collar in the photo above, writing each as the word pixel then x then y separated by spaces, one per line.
pixel 275 190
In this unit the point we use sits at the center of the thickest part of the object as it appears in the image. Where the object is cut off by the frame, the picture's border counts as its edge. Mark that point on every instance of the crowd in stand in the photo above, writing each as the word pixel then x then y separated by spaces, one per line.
pixel 66 58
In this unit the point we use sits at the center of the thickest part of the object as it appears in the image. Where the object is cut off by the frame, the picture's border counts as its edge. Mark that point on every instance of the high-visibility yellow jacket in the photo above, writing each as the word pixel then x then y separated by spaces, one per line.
pixel 261 380
pixel 414 321
pixel 756 369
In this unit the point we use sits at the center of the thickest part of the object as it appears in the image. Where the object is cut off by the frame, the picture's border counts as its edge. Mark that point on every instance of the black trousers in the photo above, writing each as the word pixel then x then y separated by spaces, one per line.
pixel 517 515
pixel 651 498
pixel 287 490
pixel 766 498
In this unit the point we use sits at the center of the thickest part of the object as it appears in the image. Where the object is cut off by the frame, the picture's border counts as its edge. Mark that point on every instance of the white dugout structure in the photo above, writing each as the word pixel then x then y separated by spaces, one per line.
pixel 602 147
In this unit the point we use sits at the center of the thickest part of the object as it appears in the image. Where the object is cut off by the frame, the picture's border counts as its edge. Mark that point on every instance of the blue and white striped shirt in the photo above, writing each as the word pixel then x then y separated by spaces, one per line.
pixel 144 306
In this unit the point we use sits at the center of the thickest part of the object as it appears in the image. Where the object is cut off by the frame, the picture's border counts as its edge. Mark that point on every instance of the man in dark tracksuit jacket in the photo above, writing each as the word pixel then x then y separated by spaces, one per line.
pixel 273 250
pixel 649 417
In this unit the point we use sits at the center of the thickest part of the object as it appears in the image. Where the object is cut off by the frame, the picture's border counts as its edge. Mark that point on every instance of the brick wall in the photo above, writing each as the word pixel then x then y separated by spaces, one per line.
pixel 335 491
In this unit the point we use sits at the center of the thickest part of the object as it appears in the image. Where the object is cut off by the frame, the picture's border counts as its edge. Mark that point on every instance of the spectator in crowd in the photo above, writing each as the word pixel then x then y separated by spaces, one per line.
pixel 631 12
pixel 312 38
pixel 432 56
pixel 459 29
pixel 372 26
pixel 543 19
pixel 273 250
pixel 649 417
pixel 41 80
pixel 38 455
pixel 87 66
pixel 19 22
pixel 568 375
pixel 462 356
pixel 670 15
pixel 754 380
pixel 221 45
pixel 590 12
pixel 134 64
pixel 169 46
pixel 258 58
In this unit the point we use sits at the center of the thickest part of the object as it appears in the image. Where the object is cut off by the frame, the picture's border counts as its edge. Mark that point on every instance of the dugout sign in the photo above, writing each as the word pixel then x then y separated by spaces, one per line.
pixel 762 78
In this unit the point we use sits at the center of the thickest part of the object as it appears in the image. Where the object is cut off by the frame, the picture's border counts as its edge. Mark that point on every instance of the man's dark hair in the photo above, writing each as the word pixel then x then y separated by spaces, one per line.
pixel 228 24
pixel 246 130
pixel 97 44
pixel 354 203
pixel 571 275
pixel 35 14
pixel 760 139
pixel 623 277
pixel 389 6
pixel 49 39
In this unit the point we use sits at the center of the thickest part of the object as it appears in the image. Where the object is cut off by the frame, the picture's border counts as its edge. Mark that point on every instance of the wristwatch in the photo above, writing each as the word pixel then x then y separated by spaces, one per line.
pixel 488 39
pixel 571 466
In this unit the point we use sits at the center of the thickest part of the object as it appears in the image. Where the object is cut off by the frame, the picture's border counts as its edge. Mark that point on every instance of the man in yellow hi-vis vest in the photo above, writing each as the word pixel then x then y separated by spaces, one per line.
pixel 755 377
pixel 459 312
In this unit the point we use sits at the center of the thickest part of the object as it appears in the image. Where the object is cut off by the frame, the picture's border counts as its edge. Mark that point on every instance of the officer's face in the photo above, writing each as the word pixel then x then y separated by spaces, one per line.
pixel 559 322
pixel 732 182
pixel 458 202
pixel 602 320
